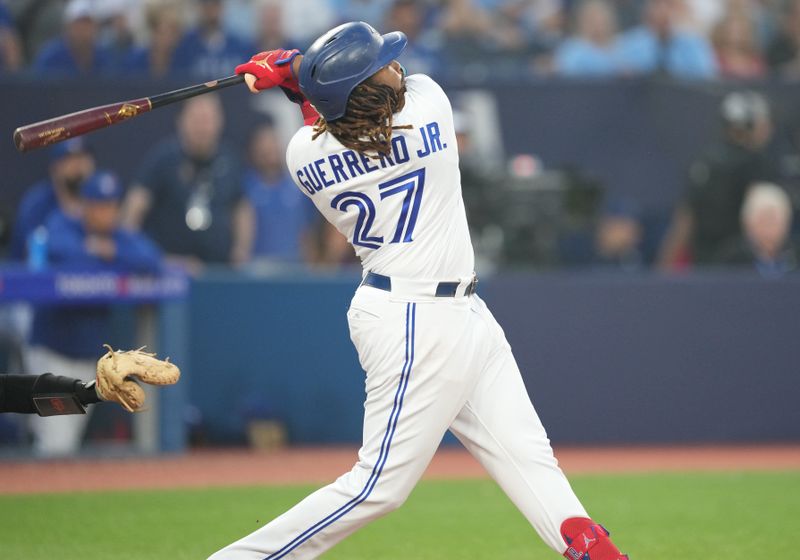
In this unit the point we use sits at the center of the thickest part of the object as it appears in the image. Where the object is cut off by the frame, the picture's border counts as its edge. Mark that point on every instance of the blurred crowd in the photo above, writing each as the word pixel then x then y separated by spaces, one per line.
pixel 204 202
pixel 198 201
pixel 471 40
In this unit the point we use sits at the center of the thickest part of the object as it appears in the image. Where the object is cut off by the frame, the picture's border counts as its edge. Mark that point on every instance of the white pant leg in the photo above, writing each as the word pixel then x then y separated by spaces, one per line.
pixel 417 357
pixel 500 427
pixel 58 435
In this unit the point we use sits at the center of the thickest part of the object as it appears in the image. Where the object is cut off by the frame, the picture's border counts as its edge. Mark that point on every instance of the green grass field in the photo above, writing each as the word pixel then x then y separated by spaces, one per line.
pixel 653 517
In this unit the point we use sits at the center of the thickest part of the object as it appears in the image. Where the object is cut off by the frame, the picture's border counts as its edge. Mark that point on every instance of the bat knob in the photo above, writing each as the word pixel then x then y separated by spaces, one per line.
pixel 19 141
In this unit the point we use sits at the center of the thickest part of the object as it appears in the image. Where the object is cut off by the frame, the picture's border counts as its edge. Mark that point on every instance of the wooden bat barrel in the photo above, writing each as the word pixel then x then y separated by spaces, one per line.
pixel 60 128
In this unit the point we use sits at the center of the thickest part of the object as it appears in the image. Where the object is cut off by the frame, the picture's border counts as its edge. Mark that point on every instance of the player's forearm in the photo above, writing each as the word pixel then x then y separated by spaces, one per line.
pixel 136 206
pixel 296 65
pixel 18 393
pixel 677 238
pixel 244 232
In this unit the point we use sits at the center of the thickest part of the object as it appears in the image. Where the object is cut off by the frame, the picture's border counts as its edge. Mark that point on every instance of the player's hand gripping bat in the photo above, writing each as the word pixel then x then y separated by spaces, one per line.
pixel 54 130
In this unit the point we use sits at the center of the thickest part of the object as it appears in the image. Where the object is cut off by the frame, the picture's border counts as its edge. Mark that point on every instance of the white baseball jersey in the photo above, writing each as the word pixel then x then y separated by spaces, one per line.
pixel 403 213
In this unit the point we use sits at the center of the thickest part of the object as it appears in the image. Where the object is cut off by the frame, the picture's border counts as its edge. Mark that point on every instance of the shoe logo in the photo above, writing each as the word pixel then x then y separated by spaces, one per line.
pixel 587 541
pixel 574 554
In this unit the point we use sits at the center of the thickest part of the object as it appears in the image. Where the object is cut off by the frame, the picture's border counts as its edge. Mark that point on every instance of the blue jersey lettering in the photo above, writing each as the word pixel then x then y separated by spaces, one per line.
pixel 400 149
pixel 338 168
pixel 322 173
pixel 367 165
pixel 352 163
pixel 300 177
pixel 349 164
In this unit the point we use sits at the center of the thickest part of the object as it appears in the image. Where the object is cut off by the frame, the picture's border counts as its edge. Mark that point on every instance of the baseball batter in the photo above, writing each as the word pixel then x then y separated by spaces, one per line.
pixel 378 158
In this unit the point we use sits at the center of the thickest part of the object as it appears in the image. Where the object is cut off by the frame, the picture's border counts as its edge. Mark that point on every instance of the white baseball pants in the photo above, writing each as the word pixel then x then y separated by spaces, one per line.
pixel 432 364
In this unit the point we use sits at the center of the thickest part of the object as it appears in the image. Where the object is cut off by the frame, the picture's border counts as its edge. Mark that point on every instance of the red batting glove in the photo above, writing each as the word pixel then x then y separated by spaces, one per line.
pixel 271 68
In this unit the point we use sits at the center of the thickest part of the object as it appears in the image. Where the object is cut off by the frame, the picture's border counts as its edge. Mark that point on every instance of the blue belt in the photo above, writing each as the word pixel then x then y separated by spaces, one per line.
pixel 443 289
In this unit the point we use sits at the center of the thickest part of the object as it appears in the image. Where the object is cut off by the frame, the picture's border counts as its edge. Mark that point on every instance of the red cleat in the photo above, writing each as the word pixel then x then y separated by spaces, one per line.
pixel 587 540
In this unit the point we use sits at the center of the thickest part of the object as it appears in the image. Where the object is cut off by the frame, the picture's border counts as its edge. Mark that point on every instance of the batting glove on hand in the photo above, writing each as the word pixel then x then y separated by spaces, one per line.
pixel 270 68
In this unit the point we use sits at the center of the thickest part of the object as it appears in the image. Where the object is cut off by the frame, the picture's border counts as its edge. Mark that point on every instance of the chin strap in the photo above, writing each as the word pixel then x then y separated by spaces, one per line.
pixel 587 540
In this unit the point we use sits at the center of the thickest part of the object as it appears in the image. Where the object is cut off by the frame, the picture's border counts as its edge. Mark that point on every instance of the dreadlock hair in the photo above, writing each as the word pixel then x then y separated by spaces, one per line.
pixel 366 126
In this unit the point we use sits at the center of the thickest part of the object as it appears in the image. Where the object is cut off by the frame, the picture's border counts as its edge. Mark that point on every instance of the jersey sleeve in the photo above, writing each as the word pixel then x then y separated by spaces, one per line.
pixel 295 148
pixel 430 94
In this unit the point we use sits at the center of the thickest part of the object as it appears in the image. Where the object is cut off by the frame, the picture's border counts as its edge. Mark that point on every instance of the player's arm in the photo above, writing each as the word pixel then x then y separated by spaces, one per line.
pixel 244 231
pixel 676 240
pixel 278 68
pixel 136 206
pixel 46 394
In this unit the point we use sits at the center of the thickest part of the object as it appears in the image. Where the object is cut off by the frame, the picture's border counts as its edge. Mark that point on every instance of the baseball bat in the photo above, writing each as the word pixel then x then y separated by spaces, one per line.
pixel 44 133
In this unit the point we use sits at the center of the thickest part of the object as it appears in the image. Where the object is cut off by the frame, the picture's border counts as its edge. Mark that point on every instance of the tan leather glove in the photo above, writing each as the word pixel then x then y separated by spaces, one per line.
pixel 118 373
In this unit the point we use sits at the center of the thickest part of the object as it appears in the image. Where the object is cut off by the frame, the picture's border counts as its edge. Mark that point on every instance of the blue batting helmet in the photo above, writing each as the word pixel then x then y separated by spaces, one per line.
pixel 340 60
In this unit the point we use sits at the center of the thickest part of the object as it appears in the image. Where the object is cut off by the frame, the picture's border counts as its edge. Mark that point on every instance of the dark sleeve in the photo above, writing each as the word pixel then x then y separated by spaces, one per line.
pixel 761 168
pixel 148 174
pixel 735 253
pixel 232 184
pixel 17 391
pixel 698 177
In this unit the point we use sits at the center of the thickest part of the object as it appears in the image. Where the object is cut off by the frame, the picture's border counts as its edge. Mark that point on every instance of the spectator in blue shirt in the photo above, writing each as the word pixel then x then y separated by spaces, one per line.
pixel 208 50
pixel 156 58
pixel 284 220
pixel 71 164
pixel 95 238
pixel 659 46
pixel 10 48
pixel 76 52
pixel 595 49
pixel 67 339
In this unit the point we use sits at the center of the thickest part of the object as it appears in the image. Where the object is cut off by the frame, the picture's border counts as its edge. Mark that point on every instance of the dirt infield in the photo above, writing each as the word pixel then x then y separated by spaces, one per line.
pixel 241 468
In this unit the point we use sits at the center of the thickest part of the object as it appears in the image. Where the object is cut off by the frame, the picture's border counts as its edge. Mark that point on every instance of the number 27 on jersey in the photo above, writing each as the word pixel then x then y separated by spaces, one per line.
pixel 410 186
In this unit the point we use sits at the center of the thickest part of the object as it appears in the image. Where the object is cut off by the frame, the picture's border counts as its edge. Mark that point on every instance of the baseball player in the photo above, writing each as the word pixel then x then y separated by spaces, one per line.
pixel 378 158
pixel 117 376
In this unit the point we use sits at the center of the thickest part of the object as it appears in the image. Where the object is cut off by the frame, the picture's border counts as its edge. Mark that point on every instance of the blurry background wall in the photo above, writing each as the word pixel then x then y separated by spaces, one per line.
pixel 606 358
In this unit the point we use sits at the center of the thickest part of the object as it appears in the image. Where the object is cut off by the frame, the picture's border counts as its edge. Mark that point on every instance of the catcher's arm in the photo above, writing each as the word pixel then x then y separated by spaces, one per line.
pixel 117 376
pixel 46 394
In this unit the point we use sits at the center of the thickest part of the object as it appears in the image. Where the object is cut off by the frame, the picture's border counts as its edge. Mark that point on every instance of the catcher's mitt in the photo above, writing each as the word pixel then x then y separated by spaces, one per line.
pixel 118 371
